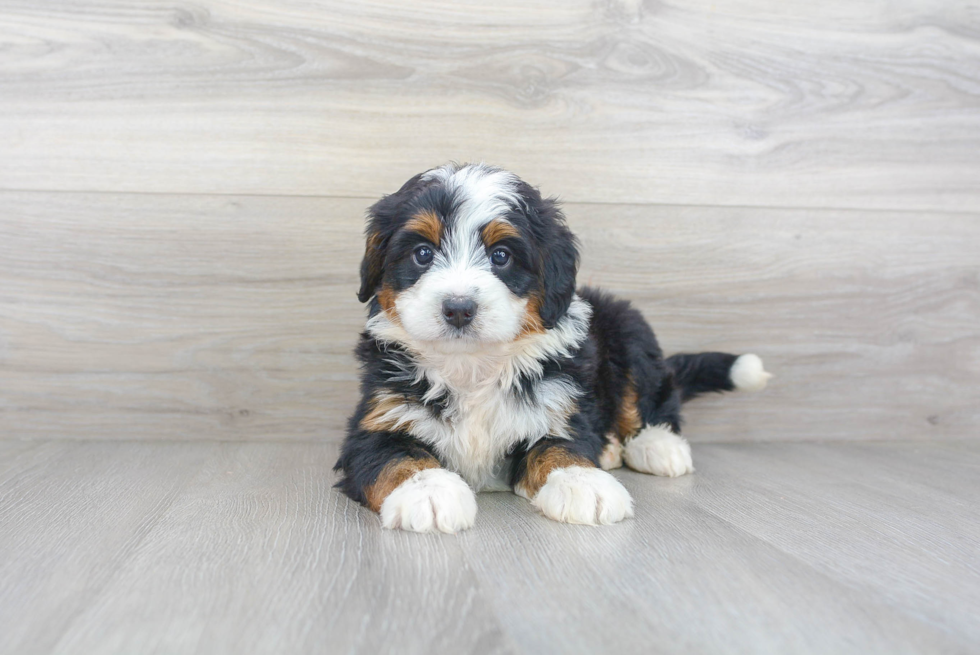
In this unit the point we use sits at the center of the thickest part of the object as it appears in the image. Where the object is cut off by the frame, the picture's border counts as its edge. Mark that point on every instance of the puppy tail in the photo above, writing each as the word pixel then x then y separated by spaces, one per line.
pixel 703 372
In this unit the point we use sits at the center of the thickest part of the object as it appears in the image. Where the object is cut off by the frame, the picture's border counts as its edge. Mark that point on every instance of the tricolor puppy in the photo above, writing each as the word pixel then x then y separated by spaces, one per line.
pixel 484 369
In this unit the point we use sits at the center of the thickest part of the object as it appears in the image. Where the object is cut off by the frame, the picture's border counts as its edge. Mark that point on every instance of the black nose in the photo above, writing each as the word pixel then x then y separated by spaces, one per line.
pixel 458 311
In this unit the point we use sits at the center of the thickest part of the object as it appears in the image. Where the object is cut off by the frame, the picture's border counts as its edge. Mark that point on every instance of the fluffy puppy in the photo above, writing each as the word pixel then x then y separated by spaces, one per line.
pixel 484 369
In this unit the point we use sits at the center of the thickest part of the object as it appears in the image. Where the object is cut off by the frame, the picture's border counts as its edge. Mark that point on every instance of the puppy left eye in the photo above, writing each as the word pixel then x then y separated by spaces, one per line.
pixel 423 255
pixel 499 257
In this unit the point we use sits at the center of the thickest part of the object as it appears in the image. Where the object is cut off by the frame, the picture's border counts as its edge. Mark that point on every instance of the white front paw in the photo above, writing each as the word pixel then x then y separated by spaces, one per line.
pixel 432 499
pixel 659 451
pixel 579 494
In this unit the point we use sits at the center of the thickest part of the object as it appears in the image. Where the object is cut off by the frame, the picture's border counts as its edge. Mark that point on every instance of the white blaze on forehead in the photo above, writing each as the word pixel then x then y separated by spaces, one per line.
pixel 483 193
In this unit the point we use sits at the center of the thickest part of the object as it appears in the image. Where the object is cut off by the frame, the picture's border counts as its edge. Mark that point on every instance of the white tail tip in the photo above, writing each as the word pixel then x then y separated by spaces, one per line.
pixel 747 373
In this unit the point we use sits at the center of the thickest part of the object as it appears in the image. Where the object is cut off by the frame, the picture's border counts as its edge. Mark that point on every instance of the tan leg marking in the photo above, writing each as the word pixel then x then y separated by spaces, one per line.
pixel 392 475
pixel 540 464
pixel 628 420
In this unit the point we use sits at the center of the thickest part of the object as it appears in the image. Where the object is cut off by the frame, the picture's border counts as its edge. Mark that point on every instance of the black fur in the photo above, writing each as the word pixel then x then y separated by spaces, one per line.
pixel 384 219
pixel 366 452
pixel 702 373
pixel 627 350
pixel 556 251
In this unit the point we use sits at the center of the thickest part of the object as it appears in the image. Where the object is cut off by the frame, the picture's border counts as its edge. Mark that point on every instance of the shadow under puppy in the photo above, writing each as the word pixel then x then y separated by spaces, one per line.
pixel 484 369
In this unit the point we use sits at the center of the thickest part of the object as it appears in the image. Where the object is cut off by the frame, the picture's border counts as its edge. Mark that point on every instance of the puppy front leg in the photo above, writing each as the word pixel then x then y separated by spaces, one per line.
pixel 399 478
pixel 569 487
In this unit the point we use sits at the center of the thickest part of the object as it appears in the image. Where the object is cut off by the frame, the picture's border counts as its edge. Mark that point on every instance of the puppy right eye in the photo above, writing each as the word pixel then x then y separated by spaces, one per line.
pixel 423 255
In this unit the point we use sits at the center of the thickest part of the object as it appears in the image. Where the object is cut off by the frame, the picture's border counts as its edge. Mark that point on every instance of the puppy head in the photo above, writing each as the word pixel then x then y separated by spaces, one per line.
pixel 463 256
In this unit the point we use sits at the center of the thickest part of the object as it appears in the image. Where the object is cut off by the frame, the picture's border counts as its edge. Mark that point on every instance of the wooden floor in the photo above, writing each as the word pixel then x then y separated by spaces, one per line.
pixel 239 548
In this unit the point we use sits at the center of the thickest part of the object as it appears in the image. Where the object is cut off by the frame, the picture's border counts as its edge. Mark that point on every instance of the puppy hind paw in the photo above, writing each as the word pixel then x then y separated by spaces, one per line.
pixel 431 500
pixel 657 450
pixel 578 494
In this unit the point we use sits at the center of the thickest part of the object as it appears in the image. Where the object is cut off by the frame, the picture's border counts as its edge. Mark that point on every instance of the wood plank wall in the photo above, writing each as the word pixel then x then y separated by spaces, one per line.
pixel 182 189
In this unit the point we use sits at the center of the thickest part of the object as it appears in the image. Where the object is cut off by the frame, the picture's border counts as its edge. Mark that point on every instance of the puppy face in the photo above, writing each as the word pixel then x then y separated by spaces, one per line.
pixel 464 256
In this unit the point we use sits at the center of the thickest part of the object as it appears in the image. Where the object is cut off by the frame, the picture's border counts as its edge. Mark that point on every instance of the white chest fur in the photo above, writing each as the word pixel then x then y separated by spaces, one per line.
pixel 482 422
pixel 484 415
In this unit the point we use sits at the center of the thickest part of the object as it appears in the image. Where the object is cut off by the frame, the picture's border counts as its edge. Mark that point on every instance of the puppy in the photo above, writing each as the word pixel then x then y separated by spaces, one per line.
pixel 484 369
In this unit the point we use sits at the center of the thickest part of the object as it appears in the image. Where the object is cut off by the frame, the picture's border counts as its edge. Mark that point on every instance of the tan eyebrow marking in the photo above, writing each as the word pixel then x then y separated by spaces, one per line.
pixel 497 230
pixel 428 225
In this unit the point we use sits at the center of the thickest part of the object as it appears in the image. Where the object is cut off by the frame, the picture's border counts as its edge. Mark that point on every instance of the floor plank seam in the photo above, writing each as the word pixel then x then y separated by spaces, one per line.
pixel 565 203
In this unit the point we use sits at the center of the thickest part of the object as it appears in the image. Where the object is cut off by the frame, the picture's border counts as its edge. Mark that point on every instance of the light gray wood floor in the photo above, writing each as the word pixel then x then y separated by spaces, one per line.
pixel 208 547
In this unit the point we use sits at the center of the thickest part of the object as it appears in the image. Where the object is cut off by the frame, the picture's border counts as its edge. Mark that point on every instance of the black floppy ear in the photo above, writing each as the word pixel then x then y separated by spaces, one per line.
pixel 559 263
pixel 382 223
pixel 372 266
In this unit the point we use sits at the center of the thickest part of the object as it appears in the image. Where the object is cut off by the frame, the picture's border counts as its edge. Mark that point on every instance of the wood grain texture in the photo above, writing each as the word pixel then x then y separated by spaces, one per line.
pixel 213 317
pixel 868 319
pixel 680 579
pixel 841 104
pixel 72 514
pixel 929 535
pixel 190 318
pixel 257 554
pixel 175 547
